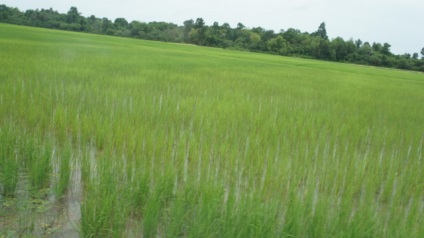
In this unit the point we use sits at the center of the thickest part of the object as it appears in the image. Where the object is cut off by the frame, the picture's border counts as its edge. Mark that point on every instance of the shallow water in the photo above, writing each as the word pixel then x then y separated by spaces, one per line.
pixel 42 215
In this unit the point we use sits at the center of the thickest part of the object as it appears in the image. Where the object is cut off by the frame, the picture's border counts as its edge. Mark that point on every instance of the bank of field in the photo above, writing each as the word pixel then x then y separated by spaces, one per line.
pixel 169 140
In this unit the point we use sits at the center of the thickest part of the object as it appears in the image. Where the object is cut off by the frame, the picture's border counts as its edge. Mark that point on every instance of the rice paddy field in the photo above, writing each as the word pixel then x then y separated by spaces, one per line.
pixel 113 137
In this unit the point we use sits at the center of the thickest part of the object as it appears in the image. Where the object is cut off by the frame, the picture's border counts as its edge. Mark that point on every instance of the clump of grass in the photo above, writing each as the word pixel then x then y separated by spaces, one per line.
pixel 157 201
pixel 38 164
pixel 9 164
pixel 64 171
pixel 105 209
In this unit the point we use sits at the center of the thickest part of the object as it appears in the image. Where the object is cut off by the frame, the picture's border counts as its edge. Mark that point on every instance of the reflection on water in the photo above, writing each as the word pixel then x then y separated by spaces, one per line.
pixel 42 214
pixel 72 206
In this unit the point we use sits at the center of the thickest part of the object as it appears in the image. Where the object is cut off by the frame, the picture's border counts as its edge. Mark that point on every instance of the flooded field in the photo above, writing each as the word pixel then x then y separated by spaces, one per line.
pixel 41 213
pixel 114 137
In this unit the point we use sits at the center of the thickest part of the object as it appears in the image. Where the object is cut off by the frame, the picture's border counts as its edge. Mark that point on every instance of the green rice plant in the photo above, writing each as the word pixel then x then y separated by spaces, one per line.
pixel 9 165
pixel 105 208
pixel 157 202
pixel 37 162
pixel 187 141
pixel 64 171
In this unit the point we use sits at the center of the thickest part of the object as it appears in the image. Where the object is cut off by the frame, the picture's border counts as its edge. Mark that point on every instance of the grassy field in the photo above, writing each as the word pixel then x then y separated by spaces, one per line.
pixel 170 140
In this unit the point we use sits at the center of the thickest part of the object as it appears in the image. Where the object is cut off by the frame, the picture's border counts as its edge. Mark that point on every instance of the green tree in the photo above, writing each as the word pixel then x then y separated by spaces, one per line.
pixel 214 36
pixel 377 47
pixel 72 15
pixel 135 28
pixel 11 15
pixel 94 24
pixel 366 49
pixel 278 45
pixel 321 32
pixel 415 56
pixel 121 23
pixel 240 26
pixel 198 32
pixel 187 27
pixel 324 50
pixel 385 50
pixel 358 43
pixel 4 13
pixel 404 62
pixel 255 38
pixel 200 23
pixel 341 49
pixel 422 53
pixel 107 27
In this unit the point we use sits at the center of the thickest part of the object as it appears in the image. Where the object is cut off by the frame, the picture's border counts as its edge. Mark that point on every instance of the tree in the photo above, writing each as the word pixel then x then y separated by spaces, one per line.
pixel 366 49
pixel 240 26
pixel 358 43
pixel 404 62
pixel 188 25
pixel 323 51
pixel 321 32
pixel 94 24
pixel 197 31
pixel 278 45
pixel 4 13
pixel 73 15
pixel 415 56
pixel 11 15
pixel 291 42
pixel 255 38
pixel 106 26
pixel 341 49
pixel 377 47
pixel 385 50
pixel 200 23
pixel 292 35
pixel 364 53
pixel 121 22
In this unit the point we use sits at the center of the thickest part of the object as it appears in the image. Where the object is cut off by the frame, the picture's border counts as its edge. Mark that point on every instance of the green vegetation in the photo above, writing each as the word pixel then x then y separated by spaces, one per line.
pixel 290 42
pixel 177 140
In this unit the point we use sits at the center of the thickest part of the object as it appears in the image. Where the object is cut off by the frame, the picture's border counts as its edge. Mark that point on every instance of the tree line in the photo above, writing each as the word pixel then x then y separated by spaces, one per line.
pixel 290 42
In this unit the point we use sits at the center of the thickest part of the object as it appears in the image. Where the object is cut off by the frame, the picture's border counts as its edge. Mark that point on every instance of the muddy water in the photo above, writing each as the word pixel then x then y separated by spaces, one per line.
pixel 71 207
pixel 43 215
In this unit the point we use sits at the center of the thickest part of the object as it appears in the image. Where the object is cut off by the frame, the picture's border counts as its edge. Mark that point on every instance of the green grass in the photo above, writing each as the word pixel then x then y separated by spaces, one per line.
pixel 185 141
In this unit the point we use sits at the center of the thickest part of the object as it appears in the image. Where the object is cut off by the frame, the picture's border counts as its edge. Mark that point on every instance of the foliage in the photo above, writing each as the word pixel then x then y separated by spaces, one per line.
pixel 296 43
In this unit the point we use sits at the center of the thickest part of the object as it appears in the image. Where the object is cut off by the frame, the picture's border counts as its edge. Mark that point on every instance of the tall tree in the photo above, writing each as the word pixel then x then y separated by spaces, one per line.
pixel 377 47
pixel 422 53
pixel 200 23
pixel 415 56
pixel 73 15
pixel 197 34
pixel 321 32
pixel 106 26
pixel 358 43
pixel 385 50
pixel 240 26
pixel 4 12
pixel 188 25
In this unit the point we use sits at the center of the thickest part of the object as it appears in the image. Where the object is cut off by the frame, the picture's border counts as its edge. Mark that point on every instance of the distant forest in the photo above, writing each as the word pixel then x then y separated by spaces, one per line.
pixel 290 42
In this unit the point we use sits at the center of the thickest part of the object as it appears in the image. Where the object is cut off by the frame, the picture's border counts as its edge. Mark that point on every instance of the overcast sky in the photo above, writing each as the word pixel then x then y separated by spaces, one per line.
pixel 399 23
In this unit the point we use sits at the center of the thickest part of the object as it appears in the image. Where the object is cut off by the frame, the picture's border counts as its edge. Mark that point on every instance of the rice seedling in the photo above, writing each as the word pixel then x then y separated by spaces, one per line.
pixel 9 165
pixel 176 140
pixel 64 171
